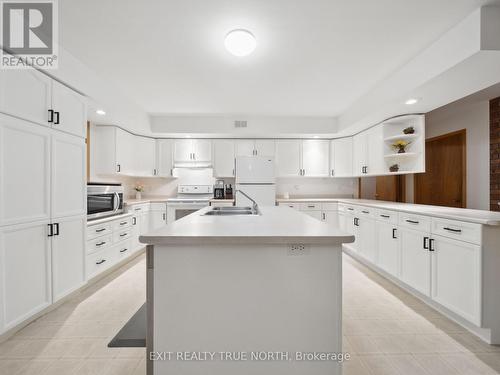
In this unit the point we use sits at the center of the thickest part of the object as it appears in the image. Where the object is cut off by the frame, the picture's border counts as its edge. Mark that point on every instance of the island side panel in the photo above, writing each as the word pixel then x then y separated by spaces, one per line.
pixel 247 298
pixel 149 307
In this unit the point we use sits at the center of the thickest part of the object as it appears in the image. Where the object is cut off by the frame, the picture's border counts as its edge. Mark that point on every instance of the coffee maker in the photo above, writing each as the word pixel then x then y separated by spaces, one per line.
pixel 219 189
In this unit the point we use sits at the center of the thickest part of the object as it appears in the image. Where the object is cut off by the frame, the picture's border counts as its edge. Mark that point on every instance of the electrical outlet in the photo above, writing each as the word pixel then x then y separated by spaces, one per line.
pixel 297 249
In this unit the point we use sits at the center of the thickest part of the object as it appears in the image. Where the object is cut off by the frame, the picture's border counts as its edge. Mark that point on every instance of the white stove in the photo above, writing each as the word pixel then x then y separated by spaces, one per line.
pixel 189 199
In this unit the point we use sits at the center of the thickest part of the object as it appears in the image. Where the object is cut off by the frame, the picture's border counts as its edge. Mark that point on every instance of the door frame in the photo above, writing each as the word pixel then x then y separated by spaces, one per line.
pixel 463 133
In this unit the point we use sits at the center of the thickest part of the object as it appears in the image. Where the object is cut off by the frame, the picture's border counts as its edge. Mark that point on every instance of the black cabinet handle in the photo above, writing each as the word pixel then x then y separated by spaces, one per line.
pixel 100 261
pixel 51 116
pixel 426 243
pixel 100 244
pixel 118 168
pixel 431 243
pixel 123 250
pixel 412 221
pixel 453 230
pixel 56 232
pixel 137 209
pixel 56 122
pixel 164 216
pixel 324 216
pixel 365 212
pixel 123 234
pixel 350 209
pixel 385 216
pixel 356 221
pixel 100 230
pixel 134 221
pixel 394 233
pixel 123 222
pixel 333 172
pixel 51 230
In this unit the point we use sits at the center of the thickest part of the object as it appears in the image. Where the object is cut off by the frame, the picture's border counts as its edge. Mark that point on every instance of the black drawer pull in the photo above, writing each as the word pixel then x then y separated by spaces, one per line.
pixel 123 250
pixel 453 230
pixel 100 261
pixel 412 221
pixel 385 216
pixel 312 206
pixel 123 222
pixel 394 233
pixel 350 209
pixel 123 234
pixel 100 230
pixel 365 212
pixel 426 243
pixel 100 243
pixel 137 209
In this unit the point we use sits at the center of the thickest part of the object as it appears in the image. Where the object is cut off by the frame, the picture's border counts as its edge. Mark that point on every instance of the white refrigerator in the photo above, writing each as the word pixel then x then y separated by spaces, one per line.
pixel 255 176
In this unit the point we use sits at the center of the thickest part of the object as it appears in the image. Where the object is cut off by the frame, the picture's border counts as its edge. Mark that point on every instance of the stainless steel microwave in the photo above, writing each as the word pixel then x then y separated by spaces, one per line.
pixel 104 200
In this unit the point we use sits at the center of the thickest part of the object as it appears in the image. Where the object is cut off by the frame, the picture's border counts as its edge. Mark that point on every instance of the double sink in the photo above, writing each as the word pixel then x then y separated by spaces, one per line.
pixel 232 211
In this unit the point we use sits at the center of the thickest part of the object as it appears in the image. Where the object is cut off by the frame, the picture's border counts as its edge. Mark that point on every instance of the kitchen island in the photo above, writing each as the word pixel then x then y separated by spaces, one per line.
pixel 245 294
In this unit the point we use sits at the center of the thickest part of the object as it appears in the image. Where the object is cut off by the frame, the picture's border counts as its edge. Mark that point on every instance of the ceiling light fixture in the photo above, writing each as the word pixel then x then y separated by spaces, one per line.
pixel 411 101
pixel 240 42
pixel 100 112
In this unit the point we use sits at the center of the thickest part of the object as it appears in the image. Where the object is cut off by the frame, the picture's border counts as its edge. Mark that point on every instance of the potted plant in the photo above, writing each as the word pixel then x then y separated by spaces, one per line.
pixel 409 130
pixel 139 188
pixel 400 146
pixel 394 168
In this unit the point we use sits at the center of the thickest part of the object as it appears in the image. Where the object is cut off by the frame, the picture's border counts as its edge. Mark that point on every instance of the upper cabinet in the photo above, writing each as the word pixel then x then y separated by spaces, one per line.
pixel 255 147
pixel 192 151
pixel 33 96
pixel 341 157
pixel 224 153
pixel 309 158
pixel 164 157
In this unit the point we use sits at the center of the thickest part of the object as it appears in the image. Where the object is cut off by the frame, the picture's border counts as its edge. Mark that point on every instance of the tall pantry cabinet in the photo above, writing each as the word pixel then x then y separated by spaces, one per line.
pixel 42 193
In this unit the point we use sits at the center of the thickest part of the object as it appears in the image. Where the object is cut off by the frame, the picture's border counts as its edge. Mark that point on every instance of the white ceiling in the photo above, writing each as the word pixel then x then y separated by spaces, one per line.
pixel 314 58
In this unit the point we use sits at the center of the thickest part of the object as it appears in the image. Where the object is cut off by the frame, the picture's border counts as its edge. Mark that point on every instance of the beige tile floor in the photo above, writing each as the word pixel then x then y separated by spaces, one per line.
pixel 386 330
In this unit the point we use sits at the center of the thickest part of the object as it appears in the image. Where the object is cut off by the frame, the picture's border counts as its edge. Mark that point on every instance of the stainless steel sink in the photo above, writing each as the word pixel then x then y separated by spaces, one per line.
pixel 232 208
pixel 231 211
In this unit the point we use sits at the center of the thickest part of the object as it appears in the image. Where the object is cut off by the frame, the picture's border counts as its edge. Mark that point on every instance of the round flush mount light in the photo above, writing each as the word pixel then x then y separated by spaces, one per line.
pixel 240 42
pixel 411 101
pixel 100 112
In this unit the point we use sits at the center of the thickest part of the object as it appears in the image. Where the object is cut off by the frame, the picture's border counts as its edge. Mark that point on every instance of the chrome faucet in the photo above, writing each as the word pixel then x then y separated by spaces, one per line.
pixel 255 207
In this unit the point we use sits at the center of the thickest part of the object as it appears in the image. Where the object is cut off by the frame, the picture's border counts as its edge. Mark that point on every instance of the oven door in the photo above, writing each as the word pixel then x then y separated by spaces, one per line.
pixel 105 204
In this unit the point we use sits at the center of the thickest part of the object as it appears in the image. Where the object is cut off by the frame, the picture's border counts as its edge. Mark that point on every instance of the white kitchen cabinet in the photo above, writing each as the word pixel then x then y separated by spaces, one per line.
pixel 25 171
pixel 415 260
pixel 288 158
pixel 331 218
pixel 366 230
pixel 68 175
pixel 388 248
pixel 68 255
pixel 26 93
pixel 135 230
pixel 164 157
pixel 343 217
pixel 157 216
pixel 144 156
pixel 341 157
pixel 224 151
pixel 375 161
pixel 456 276
pixel 192 151
pixel 183 150
pixel 125 153
pixel 264 147
pixel 360 154
pixel 245 147
pixel 70 110
pixel 315 158
pixel 314 214
pixel 202 150
pixel 25 266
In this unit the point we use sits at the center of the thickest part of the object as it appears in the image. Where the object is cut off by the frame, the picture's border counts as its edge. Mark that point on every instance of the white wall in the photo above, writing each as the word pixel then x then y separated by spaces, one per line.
pixel 474 117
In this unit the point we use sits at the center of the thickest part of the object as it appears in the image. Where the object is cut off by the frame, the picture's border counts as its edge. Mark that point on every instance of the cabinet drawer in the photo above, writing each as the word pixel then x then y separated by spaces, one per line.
pixel 310 206
pixel 121 235
pixel 95 231
pixel 123 250
pixel 100 261
pixel 330 206
pixel 158 207
pixel 386 216
pixel 295 206
pixel 350 209
pixel 136 208
pixel 365 211
pixel 417 222
pixel 99 243
pixel 458 230
pixel 123 223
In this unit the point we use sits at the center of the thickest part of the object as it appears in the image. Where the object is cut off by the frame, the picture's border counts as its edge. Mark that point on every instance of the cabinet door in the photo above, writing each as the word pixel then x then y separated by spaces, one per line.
pixel 183 150
pixel 164 149
pixel 157 220
pixel 71 110
pixel 341 157
pixel 125 153
pixel 367 234
pixel 24 171
pixel 223 158
pixel 245 147
pixel 456 277
pixel 343 221
pixel 415 261
pixel 315 158
pixel 388 248
pixel 202 149
pixel 68 256
pixel 288 158
pixel 135 231
pixel 68 175
pixel 360 149
pixel 145 156
pixel 25 285
pixel 376 163
pixel 315 214
pixel 265 147
pixel 331 218
pixel 25 93
pixel 144 220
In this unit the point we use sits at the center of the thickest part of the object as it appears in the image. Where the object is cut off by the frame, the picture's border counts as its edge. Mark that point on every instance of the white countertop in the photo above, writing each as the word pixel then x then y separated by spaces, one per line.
pixel 106 219
pixel 132 201
pixel 276 225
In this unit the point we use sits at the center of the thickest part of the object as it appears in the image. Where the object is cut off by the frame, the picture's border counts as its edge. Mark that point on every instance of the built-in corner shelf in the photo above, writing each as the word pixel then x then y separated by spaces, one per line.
pixel 401 137
pixel 403 155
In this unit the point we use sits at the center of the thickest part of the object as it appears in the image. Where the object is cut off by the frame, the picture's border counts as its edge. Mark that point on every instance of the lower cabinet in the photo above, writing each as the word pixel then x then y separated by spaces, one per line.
pixel 416 260
pixel 25 269
pixel 388 248
pixel 366 233
pixel 456 277
pixel 157 216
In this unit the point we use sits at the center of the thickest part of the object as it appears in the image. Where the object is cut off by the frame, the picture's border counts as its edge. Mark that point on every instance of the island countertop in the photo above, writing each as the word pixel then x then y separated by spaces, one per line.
pixel 275 225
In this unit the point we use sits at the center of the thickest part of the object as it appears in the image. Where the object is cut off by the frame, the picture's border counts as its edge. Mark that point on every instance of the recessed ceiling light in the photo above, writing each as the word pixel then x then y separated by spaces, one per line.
pixel 411 101
pixel 100 112
pixel 240 42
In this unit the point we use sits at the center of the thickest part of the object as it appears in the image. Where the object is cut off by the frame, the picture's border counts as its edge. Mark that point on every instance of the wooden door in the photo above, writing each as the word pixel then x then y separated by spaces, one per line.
pixel 444 182
pixel 390 188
